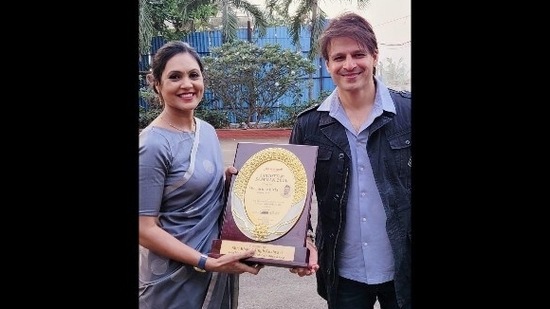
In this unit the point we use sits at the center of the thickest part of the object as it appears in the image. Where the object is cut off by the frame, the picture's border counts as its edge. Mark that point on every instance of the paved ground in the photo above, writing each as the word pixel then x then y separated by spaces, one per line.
pixel 273 287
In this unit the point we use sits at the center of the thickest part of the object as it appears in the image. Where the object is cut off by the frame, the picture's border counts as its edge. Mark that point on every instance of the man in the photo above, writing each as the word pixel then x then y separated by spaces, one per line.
pixel 362 177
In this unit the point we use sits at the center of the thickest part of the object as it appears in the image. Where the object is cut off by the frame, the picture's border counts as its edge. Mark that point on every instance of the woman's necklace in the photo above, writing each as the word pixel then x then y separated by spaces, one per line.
pixel 173 126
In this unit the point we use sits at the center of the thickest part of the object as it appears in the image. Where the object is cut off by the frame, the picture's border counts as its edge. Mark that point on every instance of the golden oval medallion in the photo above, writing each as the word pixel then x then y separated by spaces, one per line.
pixel 268 195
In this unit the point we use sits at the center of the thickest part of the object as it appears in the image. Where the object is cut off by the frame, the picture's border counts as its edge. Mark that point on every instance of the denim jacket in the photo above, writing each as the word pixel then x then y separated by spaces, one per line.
pixel 389 148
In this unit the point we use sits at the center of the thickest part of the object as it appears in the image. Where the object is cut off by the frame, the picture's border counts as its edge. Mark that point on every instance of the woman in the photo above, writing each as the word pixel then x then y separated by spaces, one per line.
pixel 181 195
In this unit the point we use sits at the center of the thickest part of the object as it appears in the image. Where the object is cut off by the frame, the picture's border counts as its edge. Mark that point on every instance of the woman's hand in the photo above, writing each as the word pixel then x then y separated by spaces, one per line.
pixel 229 172
pixel 233 263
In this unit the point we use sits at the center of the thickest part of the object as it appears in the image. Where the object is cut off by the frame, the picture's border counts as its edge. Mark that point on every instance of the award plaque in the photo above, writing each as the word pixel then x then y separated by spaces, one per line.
pixel 268 204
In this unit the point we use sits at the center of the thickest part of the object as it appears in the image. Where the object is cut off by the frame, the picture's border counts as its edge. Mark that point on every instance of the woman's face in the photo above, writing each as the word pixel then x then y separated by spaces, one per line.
pixel 181 84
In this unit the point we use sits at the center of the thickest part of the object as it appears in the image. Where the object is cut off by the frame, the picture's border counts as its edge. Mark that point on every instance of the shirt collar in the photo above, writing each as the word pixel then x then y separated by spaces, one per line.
pixel 382 98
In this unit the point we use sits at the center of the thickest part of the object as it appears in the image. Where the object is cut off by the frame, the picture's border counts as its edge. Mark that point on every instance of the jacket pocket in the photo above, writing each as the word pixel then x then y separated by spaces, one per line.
pixel 400 145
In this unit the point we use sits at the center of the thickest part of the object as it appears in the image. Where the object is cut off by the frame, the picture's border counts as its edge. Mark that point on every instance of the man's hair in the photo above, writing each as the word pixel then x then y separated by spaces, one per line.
pixel 353 26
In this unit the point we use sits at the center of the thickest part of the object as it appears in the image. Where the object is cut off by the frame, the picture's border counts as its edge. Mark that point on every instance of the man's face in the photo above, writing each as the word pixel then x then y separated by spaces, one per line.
pixel 350 66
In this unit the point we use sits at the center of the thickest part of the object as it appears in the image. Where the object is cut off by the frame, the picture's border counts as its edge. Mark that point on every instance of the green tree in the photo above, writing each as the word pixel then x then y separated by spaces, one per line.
pixel 173 19
pixel 229 19
pixel 292 111
pixel 250 80
pixel 146 30
pixel 308 14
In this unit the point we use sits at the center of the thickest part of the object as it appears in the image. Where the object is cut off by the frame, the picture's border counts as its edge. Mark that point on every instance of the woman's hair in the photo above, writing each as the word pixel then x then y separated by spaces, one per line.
pixel 349 25
pixel 165 53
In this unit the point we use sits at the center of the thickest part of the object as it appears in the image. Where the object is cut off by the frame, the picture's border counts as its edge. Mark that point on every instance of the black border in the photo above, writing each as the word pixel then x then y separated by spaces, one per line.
pixel 88 157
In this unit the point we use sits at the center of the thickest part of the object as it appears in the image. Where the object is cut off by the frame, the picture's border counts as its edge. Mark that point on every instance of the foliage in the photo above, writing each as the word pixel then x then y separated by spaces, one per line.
pixel 229 24
pixel 153 108
pixel 173 19
pixel 291 112
pixel 395 75
pixel 146 115
pixel 146 29
pixel 201 17
pixel 276 14
pixel 307 13
pixel 250 80
pixel 217 118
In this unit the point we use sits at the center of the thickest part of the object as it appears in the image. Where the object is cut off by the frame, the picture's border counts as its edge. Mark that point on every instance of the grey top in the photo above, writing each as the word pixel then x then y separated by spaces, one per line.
pixel 181 181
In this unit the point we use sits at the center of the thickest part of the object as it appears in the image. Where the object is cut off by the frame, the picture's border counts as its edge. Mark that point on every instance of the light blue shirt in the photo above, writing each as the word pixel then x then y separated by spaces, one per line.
pixel 366 254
